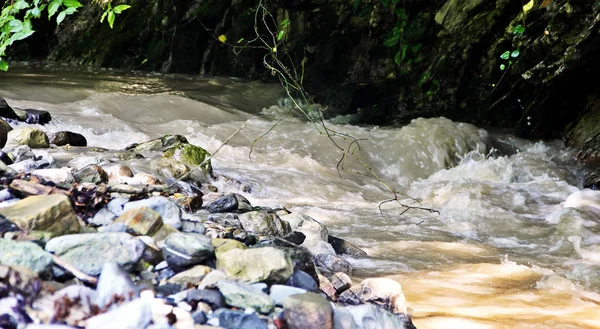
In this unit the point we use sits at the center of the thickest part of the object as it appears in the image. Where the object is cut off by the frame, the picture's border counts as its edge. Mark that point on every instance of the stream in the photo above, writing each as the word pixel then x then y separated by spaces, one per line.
pixel 516 244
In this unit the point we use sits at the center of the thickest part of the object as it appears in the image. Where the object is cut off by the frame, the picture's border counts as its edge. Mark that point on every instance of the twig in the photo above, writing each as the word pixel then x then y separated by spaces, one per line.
pixel 73 270
pixel 209 157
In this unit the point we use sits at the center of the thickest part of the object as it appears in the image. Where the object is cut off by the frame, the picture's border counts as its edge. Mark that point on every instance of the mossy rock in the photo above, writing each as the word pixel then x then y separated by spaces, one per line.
pixel 191 156
pixel 159 144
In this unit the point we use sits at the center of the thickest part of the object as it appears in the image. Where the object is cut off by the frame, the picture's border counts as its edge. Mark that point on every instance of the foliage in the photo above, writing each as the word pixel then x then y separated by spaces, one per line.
pixel 16 17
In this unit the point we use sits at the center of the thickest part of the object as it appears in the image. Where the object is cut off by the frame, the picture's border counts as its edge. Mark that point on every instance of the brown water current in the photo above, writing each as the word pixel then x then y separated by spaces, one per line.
pixel 516 243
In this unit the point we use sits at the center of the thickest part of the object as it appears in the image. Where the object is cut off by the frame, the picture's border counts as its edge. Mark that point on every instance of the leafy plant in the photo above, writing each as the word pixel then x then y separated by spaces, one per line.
pixel 111 12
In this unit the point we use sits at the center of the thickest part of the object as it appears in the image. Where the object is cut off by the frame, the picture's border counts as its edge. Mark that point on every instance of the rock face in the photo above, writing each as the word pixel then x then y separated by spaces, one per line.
pixel 89 252
pixel 308 311
pixel 48 213
pixel 31 137
pixel 256 265
pixel 26 254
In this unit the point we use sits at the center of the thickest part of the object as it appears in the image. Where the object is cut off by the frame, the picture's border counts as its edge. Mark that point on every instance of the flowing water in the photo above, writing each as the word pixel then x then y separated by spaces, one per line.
pixel 515 244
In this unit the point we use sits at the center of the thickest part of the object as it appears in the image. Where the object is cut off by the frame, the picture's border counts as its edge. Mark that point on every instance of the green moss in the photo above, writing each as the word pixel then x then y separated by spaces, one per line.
pixel 190 155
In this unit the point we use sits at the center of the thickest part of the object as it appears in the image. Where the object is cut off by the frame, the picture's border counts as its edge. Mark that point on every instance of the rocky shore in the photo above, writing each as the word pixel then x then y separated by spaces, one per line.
pixel 98 238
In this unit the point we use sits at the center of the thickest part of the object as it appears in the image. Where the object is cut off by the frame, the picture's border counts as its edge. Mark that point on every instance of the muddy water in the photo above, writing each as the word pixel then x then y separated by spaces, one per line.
pixel 515 244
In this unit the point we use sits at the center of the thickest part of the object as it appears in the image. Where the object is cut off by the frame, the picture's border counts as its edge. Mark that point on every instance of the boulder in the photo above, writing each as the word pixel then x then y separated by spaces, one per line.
pixel 343 247
pixel 4 129
pixel 31 137
pixel 187 249
pixel 370 316
pixel 25 254
pixel 384 292
pixel 6 111
pixel 256 265
pixel 240 295
pixel 192 276
pixel 224 245
pixel 342 318
pixel 302 280
pixel 280 292
pixel 264 223
pixel 230 319
pixel 229 203
pixel 91 174
pixel 169 210
pixel 52 214
pixel 62 138
pixel 56 175
pixel 141 221
pixel 191 156
pixel 33 116
pixel 158 144
pixel 89 252
pixel 211 297
pixel 308 311
pixel 114 283
pixel 333 263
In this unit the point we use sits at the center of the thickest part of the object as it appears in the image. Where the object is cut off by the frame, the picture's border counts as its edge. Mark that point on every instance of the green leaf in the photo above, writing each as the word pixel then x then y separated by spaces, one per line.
pixel 111 19
pixel 70 11
pixel 240 40
pixel 502 67
pixel 21 4
pixel 385 3
pixel 395 2
pixel 404 48
pixel 3 65
pixel 60 17
pixel 15 25
pixel 120 8
pixel 397 57
pixel 519 29
pixel 416 47
pixel 103 16
pixel 21 35
pixel 72 3
pixel 392 40
pixel 515 53
pixel 401 13
pixel 280 35
pixel 53 7
pixel 505 55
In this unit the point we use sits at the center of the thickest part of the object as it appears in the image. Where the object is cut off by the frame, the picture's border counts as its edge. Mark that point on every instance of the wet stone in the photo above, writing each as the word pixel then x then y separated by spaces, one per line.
pixel 31 137
pixel 5 158
pixel 280 292
pixel 227 203
pixel 212 297
pixel 343 247
pixel 6 111
pixel 63 138
pixel 332 263
pixel 302 280
pixel 230 319
pixel 256 265
pixel 7 226
pixel 187 249
pixel 264 223
pixel 308 311
pixel 91 174
pixel 341 281
pixel 168 209
pixel 33 116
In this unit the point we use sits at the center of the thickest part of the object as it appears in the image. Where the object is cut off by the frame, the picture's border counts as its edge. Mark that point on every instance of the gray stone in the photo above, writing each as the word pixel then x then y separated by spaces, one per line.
pixel 158 144
pixel 228 219
pixel 307 311
pixel 91 174
pixel 264 223
pixel 56 175
pixel 31 137
pixel 141 221
pixel 4 129
pixel 22 153
pixel 114 282
pixel 341 281
pixel 33 116
pixel 243 296
pixel 52 214
pixel 343 247
pixel 89 252
pixel 369 316
pixel 6 111
pixel 168 210
pixel 82 161
pixel 230 319
pixel 256 265
pixel 211 279
pixel 342 318
pixel 187 249
pixel 29 165
pixel 212 297
pixel 280 292
pixel 332 263
pixel 384 292
pixel 26 254
pixel 229 203
pixel 192 276
pixel 302 280
pixel 135 314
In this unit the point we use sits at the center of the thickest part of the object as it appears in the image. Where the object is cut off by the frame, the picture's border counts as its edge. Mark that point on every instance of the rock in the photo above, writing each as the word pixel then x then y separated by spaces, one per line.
pixel 89 252
pixel 342 318
pixel 199 317
pixel 26 254
pixel 62 138
pixel 341 281
pixel 7 226
pixel 6 111
pixel 302 280
pixel 56 175
pixel 240 295
pixel 158 144
pixel 224 245
pixel 52 214
pixel 164 314
pixel 5 158
pixel 191 156
pixel 350 296
pixel 212 297
pixel 141 221
pixel 83 161
pixel 192 276
pixel 31 137
pixel 327 287
pixel 169 210
pixel 307 311
pixel 22 153
pixel 230 319
pixel 384 292
pixel 225 219
pixel 294 237
pixel 211 279
pixel 79 300
pixel 91 174
pixel 256 265
pixel 229 203
pixel 17 280
pixel 135 314
pixel 316 234
pixel 187 249
pixel 117 171
pixel 169 168
pixel 370 316
pixel 190 226
pixel 29 165
pixel 4 129
pixel 333 263
pixel 264 223
pixel 40 117
pixel 114 283
pixel 280 292
pixel 342 247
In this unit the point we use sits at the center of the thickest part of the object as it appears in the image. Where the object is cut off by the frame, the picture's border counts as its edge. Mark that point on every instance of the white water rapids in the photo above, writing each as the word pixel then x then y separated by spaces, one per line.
pixel 516 243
